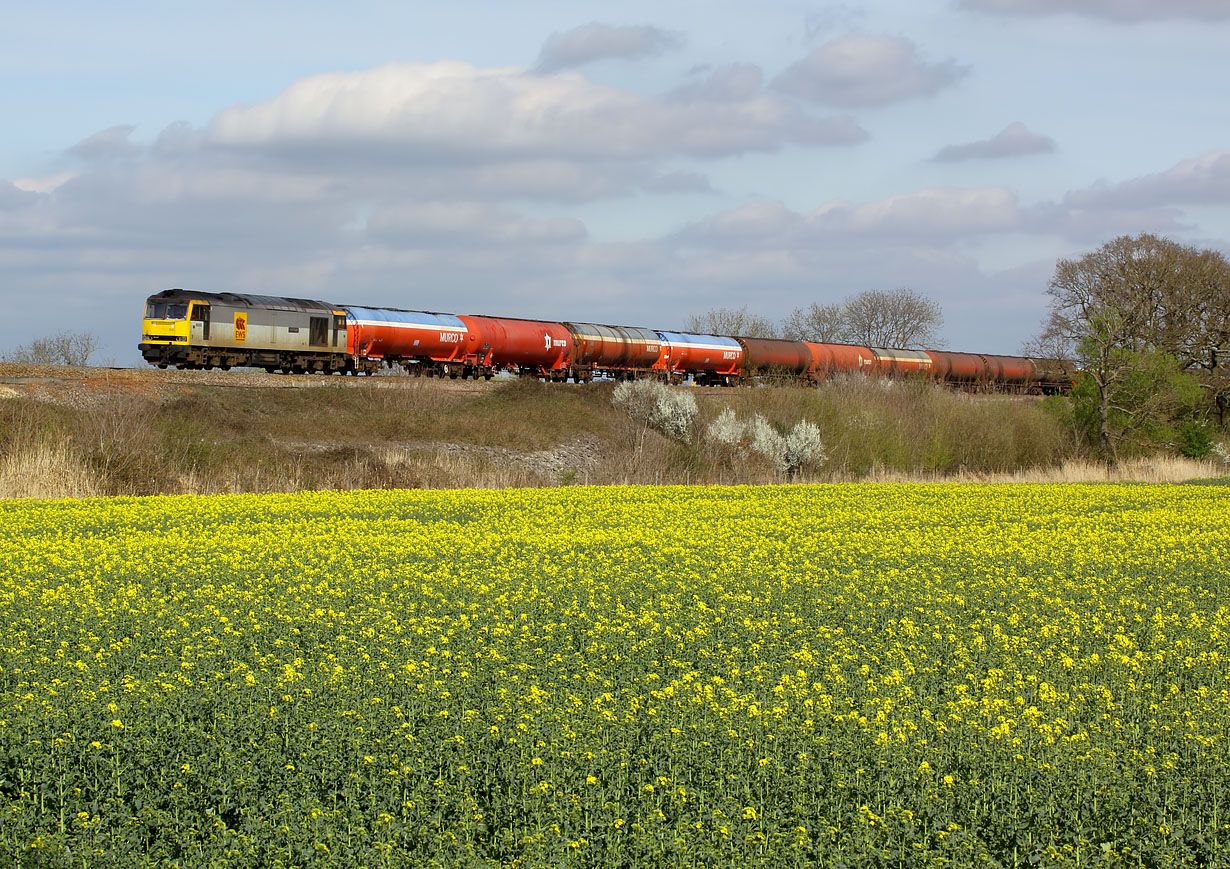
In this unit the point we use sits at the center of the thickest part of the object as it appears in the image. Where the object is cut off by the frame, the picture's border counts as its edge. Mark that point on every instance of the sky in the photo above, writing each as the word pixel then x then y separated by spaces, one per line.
pixel 630 163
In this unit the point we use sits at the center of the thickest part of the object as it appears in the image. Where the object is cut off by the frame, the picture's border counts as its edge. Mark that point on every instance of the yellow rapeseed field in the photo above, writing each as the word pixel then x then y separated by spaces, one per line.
pixel 857 675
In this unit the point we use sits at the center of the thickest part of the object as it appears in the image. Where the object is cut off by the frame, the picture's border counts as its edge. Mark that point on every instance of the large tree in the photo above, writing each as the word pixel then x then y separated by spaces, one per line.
pixel 1199 324
pixel 898 318
pixel 731 321
pixel 823 324
pixel 1133 298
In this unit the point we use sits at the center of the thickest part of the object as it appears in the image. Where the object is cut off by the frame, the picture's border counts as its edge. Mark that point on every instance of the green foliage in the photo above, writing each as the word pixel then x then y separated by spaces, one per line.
pixel 1141 403
pixel 1194 438
pixel 1119 306
pixel 1060 409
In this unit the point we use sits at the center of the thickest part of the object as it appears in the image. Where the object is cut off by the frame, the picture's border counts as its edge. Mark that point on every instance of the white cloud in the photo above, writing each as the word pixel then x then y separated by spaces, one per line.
pixel 455 112
pixel 866 71
pixel 469 223
pixel 13 197
pixel 738 81
pixel 937 216
pixel 834 16
pixel 939 212
pixel 1093 225
pixel 594 41
pixel 1203 180
pixel 756 224
pixel 679 181
pixel 1015 140
pixel 110 143
pixel 45 184
pixel 1150 203
pixel 1115 10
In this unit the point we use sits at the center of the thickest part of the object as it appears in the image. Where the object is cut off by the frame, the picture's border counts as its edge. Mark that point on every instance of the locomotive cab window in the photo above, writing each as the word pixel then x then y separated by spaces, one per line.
pixel 318 331
pixel 166 310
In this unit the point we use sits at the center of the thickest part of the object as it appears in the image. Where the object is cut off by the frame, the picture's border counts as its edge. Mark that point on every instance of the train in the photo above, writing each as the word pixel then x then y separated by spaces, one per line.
pixel 189 329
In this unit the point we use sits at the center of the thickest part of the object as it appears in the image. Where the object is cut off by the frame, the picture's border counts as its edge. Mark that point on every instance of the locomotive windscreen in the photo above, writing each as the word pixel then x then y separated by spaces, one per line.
pixel 166 310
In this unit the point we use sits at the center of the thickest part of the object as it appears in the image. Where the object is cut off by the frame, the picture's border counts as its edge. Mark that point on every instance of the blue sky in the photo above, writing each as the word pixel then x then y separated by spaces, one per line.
pixel 581 161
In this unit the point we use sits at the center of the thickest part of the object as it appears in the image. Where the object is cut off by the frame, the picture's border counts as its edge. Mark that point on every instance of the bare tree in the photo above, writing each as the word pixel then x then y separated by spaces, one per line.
pixel 40 351
pixel 1048 346
pixel 821 323
pixel 900 318
pixel 731 321
pixel 66 348
pixel 76 348
pixel 1198 323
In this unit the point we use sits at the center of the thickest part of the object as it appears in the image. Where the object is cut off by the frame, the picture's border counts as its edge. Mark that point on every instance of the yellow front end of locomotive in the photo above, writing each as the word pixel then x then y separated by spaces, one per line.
pixel 166 323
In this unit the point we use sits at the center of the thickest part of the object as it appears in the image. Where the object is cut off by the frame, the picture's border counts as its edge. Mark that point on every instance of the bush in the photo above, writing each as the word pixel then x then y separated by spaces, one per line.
pixel 804 448
pixel 66 348
pixel 1147 406
pixel 726 429
pixel 786 454
pixel 655 405
pixel 1194 439
pixel 768 443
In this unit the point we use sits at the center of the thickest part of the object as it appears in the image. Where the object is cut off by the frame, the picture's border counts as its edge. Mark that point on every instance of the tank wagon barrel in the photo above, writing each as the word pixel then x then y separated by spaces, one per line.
pixel 420 341
pixel 844 358
pixel 893 362
pixel 776 358
pixel 536 347
pixel 613 351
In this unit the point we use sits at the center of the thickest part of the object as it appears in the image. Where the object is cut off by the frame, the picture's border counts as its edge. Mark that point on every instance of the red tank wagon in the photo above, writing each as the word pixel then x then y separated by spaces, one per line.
pixel 844 358
pixel 532 347
pixel 771 357
pixel 960 368
pixel 1014 372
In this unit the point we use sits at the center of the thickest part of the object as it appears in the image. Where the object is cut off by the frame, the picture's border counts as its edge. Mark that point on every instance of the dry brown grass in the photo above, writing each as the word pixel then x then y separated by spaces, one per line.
pixel 46 470
pixel 1157 469
pixel 440 469
pixel 411 433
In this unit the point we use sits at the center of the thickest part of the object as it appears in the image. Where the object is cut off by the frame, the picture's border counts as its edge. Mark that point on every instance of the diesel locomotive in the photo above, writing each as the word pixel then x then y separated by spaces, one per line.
pixel 190 329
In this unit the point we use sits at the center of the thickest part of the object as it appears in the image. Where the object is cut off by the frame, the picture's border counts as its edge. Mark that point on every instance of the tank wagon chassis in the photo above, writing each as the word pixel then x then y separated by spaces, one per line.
pixel 188 329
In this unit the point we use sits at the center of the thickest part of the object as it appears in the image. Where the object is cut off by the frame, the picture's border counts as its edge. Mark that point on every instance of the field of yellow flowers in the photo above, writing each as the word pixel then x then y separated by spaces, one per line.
pixel 843 675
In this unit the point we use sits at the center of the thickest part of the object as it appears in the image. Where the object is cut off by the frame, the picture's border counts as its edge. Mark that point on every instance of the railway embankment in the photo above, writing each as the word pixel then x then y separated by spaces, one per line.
pixel 102 431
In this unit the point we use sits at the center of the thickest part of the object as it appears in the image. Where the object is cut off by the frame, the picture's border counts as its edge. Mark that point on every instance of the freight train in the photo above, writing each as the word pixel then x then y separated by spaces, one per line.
pixel 191 329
